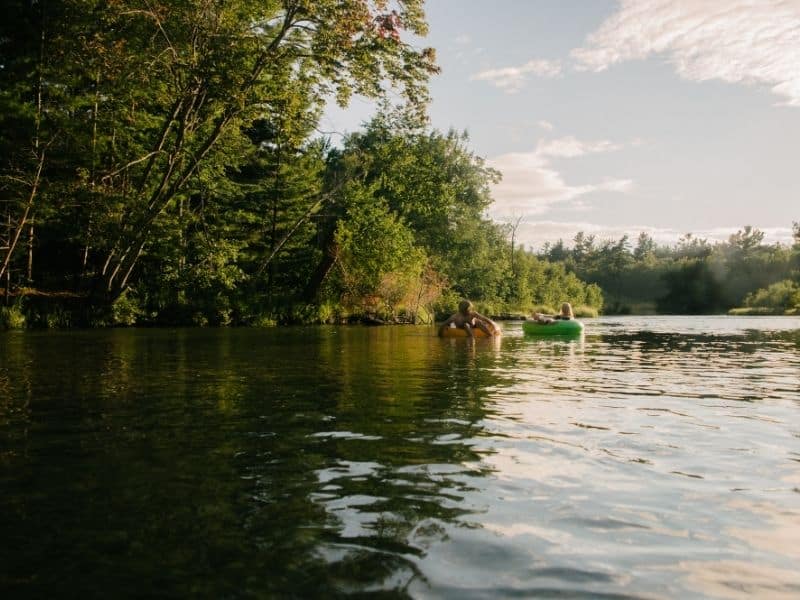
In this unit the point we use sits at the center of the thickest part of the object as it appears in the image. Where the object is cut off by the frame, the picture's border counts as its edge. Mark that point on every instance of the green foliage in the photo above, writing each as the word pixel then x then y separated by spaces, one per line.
pixel 693 289
pixel 314 313
pixel 264 321
pixel 49 315
pixel 778 297
pixel 168 152
pixel 11 317
pixel 373 243
pixel 445 304
pixel 169 149
pixel 143 110
pixel 126 310
pixel 413 225
pixel 544 309
pixel 586 312
pixel 645 250
pixel 694 276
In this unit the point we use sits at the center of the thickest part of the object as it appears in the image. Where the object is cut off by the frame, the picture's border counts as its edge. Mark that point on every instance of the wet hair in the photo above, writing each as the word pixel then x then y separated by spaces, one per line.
pixel 465 307
pixel 566 310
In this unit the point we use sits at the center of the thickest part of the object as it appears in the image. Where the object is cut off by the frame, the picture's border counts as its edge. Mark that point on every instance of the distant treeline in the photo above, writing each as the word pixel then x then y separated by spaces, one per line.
pixel 162 164
pixel 694 277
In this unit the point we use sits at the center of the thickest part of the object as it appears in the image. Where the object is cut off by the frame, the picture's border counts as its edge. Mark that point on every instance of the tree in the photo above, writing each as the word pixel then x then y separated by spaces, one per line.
pixel 431 181
pixel 26 94
pixel 778 297
pixel 156 96
pixel 377 258
pixel 645 248
pixel 583 251
pixel 747 239
pixel 557 252
pixel 692 289
pixel 283 184
pixel 690 246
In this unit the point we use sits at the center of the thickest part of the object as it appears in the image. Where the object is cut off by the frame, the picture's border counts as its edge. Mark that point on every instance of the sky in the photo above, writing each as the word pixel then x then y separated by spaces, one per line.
pixel 617 117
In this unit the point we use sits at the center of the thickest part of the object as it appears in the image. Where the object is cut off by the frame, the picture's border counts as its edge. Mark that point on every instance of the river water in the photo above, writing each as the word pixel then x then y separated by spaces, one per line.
pixel 655 457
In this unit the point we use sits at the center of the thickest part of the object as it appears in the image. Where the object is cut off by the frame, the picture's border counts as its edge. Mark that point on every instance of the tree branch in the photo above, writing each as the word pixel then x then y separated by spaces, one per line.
pixel 24 219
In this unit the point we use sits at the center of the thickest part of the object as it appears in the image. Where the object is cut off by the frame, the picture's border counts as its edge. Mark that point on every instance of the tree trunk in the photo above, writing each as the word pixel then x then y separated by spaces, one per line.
pixel 323 269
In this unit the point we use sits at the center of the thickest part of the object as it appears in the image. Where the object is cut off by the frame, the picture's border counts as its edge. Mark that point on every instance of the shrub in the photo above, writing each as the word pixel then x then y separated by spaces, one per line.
pixel 545 309
pixel 779 297
pixel 587 312
pixel 11 317
pixel 757 310
pixel 446 304
pixel 126 310
pixel 264 321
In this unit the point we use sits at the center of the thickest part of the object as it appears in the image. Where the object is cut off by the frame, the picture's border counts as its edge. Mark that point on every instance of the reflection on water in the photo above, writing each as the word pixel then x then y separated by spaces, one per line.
pixel 653 457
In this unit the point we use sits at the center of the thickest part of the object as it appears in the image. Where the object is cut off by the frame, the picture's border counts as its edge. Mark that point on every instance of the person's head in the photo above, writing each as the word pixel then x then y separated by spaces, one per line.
pixel 566 310
pixel 465 307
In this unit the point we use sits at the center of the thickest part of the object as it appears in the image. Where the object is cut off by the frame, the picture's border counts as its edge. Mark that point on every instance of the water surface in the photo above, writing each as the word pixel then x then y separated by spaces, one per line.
pixel 655 457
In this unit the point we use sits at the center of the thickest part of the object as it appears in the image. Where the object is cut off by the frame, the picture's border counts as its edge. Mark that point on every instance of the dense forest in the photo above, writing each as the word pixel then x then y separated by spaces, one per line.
pixel 742 275
pixel 161 163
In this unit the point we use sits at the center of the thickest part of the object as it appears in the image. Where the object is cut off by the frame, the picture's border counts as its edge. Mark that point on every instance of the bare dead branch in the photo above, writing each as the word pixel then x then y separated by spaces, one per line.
pixel 23 220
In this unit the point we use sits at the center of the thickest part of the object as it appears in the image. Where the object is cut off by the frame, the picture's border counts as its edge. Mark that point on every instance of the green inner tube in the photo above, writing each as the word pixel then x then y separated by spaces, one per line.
pixel 571 327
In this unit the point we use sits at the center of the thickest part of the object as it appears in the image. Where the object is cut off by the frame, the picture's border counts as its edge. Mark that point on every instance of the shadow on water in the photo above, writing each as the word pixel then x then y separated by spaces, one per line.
pixel 232 462
pixel 747 341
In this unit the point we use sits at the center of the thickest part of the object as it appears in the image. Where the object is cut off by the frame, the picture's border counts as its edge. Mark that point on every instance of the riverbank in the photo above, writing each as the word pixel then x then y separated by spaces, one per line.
pixel 754 311
pixel 14 318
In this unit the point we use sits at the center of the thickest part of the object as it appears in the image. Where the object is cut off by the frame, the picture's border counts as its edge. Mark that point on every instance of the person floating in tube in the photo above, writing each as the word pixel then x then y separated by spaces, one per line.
pixel 565 315
pixel 468 319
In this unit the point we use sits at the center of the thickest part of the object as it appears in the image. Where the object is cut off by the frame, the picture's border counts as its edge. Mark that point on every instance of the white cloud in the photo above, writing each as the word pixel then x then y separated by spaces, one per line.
pixel 531 185
pixel 570 147
pixel 737 41
pixel 463 39
pixel 536 233
pixel 546 125
pixel 512 79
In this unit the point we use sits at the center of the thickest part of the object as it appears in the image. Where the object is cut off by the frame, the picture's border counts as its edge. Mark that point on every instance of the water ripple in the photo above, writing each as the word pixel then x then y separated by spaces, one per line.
pixel 655 457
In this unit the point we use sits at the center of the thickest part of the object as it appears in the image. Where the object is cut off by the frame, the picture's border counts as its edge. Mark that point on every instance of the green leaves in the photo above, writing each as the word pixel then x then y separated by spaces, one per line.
pixel 779 297
pixel 152 100
pixel 183 165
pixel 373 243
